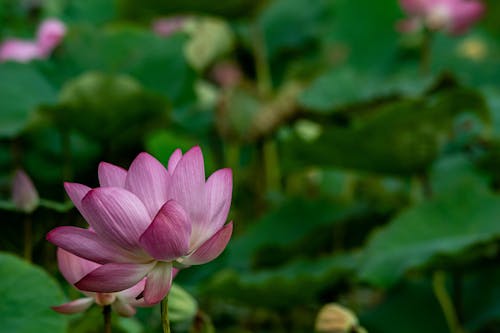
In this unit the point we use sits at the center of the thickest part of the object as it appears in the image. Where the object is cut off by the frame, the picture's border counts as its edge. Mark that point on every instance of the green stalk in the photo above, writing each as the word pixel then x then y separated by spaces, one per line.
pixel 28 239
pixel 264 81
pixel 164 315
pixel 264 86
pixel 271 166
pixel 444 299
pixel 60 207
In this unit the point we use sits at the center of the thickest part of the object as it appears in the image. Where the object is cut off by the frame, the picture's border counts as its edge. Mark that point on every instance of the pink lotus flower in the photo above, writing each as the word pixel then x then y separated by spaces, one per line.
pixel 49 35
pixel 148 219
pixel 24 194
pixel 452 16
pixel 73 268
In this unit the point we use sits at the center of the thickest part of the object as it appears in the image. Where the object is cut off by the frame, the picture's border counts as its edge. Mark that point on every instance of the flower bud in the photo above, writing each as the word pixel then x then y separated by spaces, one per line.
pixel 333 318
pixel 181 305
pixel 24 193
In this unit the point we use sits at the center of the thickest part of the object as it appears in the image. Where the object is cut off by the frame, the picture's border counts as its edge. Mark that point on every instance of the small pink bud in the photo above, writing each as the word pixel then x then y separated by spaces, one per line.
pixel 167 26
pixel 227 74
pixel 24 193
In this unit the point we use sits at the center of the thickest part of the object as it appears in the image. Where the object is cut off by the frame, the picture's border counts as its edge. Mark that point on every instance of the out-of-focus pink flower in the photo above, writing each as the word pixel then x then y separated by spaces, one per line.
pixel 227 74
pixel 147 219
pixel 167 26
pixel 452 16
pixel 24 194
pixel 50 34
pixel 73 268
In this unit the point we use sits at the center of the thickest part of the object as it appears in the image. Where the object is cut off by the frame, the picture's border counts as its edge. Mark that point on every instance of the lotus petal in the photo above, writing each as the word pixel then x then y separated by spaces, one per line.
pixel 78 305
pixel 167 238
pixel 116 215
pixel 148 179
pixel 158 283
pixel 113 277
pixel 111 175
pixel 212 248
pixel 87 244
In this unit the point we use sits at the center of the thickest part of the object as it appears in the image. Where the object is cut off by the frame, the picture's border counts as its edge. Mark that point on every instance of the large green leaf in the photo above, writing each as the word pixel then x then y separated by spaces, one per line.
pixel 279 287
pixel 22 91
pixel 153 8
pixel 408 308
pixel 342 87
pixel 402 136
pixel 443 227
pixel 27 295
pixel 472 57
pixel 109 108
pixel 280 21
pixel 94 11
pixel 157 63
pixel 285 227
pixel 365 28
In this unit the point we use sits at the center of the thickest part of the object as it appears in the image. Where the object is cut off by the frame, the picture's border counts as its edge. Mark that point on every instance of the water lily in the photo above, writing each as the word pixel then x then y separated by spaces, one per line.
pixel 73 268
pixel 50 34
pixel 147 219
pixel 452 16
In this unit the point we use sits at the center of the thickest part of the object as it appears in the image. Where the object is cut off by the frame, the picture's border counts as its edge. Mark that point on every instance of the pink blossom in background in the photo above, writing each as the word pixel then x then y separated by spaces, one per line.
pixel 49 35
pixel 24 194
pixel 227 74
pixel 73 268
pixel 452 16
pixel 146 219
pixel 167 26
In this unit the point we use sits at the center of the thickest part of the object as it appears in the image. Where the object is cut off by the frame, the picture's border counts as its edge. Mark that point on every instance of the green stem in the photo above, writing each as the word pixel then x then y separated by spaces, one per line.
pixel 444 299
pixel 28 240
pixel 264 81
pixel 106 313
pixel 60 207
pixel 164 315
pixel 8 205
pixel 271 166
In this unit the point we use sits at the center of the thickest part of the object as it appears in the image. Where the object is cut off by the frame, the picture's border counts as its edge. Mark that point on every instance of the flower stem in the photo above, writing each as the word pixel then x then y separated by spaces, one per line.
pixel 264 80
pixel 60 207
pixel 164 315
pixel 271 166
pixel 28 239
pixel 106 313
pixel 444 299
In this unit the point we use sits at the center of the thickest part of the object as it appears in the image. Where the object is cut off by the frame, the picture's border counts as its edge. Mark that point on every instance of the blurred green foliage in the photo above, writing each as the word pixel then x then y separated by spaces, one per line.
pixel 357 177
